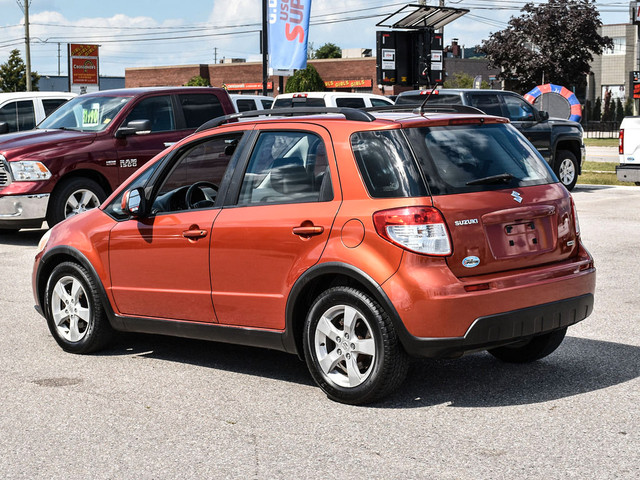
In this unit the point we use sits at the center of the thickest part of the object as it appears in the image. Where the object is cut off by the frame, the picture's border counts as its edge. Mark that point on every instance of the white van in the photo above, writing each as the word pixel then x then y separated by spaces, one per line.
pixel 24 110
pixel 330 99
pixel 245 103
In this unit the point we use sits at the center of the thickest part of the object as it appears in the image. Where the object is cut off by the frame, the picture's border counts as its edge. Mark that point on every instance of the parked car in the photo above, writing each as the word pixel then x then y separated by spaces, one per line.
pixel 352 240
pixel 558 140
pixel 77 156
pixel 24 110
pixel 629 150
pixel 245 103
pixel 330 99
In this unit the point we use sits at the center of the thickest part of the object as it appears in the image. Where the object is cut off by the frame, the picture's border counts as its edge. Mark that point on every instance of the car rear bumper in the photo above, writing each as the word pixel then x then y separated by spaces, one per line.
pixel 503 328
pixel 21 211
pixel 628 173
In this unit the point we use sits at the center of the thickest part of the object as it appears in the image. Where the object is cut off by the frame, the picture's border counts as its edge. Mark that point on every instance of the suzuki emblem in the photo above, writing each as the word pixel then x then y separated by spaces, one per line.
pixel 516 196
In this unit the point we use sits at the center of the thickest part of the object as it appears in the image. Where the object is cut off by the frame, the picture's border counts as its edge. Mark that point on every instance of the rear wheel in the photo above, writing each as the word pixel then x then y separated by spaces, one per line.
pixel 566 168
pixel 351 347
pixel 74 312
pixel 535 349
pixel 74 196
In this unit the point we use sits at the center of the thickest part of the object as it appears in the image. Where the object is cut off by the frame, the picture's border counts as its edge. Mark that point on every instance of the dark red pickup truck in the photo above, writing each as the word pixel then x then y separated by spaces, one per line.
pixel 79 154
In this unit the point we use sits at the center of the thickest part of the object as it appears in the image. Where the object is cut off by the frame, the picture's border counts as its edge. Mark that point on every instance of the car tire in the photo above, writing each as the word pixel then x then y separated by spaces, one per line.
pixel 535 349
pixel 9 231
pixel 357 362
pixel 74 196
pixel 75 314
pixel 566 168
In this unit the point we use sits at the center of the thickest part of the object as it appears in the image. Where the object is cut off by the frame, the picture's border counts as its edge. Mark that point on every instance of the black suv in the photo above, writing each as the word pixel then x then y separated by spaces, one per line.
pixel 558 140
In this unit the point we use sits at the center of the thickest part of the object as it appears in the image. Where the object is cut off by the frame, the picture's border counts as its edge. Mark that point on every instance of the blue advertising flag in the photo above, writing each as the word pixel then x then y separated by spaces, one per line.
pixel 288 33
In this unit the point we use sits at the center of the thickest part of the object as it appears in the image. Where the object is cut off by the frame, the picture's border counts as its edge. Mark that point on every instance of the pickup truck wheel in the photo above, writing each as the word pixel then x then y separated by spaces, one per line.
pixel 638 184
pixel 566 168
pixel 72 197
pixel 351 347
pixel 535 349
pixel 74 312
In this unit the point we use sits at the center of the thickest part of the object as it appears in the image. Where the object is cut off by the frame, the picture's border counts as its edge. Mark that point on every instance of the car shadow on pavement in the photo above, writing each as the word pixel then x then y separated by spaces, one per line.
pixel 26 238
pixel 578 366
pixel 478 380
pixel 234 358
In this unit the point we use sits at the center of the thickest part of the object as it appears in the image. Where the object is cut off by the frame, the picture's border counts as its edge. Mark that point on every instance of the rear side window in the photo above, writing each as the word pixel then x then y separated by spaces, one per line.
pixel 477 157
pixel 50 104
pixel 19 115
pixel 199 108
pixel 489 104
pixel 386 165
pixel 245 105
pixel 299 102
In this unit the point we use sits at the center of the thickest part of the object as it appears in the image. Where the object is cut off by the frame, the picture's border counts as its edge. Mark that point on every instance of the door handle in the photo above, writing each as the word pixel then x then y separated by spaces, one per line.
pixel 308 230
pixel 194 234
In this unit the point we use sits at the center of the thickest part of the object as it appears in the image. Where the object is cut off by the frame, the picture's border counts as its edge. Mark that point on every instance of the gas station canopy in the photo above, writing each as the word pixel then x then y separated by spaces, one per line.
pixel 415 17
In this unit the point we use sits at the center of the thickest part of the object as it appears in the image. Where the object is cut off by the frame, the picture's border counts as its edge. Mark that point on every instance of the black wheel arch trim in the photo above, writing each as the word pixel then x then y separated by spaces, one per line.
pixel 290 339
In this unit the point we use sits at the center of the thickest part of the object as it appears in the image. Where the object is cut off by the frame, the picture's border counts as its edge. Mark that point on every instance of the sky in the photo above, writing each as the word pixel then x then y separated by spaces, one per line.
pixel 143 33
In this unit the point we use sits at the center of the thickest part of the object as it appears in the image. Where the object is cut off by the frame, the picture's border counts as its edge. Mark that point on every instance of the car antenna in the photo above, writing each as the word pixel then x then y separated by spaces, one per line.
pixel 420 110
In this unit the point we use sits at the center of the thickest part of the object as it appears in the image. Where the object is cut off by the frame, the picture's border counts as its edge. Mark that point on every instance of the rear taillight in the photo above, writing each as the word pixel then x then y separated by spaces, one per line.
pixel 418 229
pixel 575 216
pixel 621 142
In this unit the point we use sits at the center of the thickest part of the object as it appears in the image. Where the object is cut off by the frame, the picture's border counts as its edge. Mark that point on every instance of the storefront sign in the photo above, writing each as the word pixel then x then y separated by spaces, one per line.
pixel 83 68
pixel 247 86
pixel 635 82
pixel 288 33
pixel 348 83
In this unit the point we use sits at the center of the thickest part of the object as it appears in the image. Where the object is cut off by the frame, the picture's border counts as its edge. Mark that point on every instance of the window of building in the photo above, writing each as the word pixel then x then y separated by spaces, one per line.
pixel 619 47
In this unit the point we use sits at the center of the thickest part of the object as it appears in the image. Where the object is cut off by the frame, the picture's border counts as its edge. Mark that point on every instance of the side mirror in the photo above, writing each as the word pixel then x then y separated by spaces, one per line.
pixel 543 115
pixel 134 127
pixel 134 202
pixel 4 127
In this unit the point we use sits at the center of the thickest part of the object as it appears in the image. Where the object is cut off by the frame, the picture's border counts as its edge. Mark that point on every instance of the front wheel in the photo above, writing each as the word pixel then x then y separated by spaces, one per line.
pixel 74 196
pixel 566 168
pixel 351 347
pixel 535 349
pixel 73 309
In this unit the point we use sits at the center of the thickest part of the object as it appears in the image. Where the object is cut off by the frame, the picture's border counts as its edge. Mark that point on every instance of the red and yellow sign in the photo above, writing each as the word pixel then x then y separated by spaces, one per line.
pixel 83 64
pixel 247 86
pixel 348 83
pixel 84 71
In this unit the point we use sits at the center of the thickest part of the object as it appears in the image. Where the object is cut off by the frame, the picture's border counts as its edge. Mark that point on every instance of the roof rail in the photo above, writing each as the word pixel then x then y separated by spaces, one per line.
pixel 349 113
pixel 444 108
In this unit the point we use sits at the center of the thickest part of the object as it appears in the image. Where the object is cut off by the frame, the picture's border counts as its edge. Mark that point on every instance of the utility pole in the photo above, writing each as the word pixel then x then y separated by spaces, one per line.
pixel 58 58
pixel 215 54
pixel 265 48
pixel 27 43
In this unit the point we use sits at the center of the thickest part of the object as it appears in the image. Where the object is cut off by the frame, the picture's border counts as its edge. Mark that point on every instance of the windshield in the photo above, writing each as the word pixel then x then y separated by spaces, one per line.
pixel 476 157
pixel 85 114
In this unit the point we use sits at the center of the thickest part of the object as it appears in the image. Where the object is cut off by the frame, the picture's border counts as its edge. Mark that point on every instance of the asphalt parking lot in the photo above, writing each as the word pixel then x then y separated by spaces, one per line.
pixel 153 407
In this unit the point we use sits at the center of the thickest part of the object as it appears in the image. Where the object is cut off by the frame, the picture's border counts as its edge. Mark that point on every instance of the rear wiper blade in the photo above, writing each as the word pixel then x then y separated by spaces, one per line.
pixel 503 177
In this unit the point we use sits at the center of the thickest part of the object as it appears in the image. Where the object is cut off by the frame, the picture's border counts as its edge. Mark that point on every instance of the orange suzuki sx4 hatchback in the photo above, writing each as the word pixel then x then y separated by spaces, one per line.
pixel 354 239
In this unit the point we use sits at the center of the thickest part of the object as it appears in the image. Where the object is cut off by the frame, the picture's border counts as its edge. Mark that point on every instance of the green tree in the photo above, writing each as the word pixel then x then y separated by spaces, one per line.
pixel 628 106
pixel 608 110
pixel 13 74
pixel 328 50
pixel 619 110
pixel 197 81
pixel 305 80
pixel 463 80
pixel 597 110
pixel 551 42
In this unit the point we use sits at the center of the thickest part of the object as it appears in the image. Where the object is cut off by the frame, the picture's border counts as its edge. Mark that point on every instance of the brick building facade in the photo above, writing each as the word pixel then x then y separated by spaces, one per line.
pixel 339 74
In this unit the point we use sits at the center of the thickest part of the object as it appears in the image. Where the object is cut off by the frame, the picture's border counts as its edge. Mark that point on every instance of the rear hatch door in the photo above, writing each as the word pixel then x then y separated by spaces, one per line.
pixel 503 206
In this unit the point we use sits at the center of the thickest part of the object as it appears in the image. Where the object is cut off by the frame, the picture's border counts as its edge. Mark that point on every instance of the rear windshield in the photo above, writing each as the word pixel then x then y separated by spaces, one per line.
pixel 477 157
pixel 299 102
pixel 436 99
